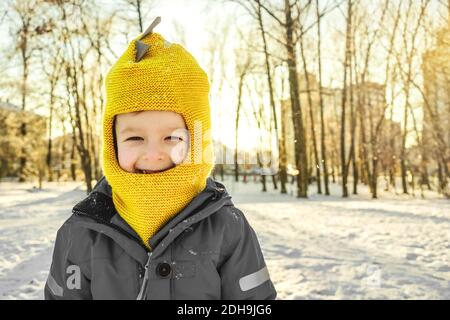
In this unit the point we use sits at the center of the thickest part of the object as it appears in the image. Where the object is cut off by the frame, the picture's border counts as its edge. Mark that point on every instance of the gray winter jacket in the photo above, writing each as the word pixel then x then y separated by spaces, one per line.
pixel 207 251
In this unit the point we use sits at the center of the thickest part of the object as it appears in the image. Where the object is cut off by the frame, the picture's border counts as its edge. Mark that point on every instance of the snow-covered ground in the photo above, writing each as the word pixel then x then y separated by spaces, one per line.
pixel 397 247
pixel 29 220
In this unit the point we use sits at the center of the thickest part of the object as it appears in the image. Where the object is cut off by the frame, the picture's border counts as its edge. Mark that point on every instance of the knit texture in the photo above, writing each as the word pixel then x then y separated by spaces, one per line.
pixel 166 78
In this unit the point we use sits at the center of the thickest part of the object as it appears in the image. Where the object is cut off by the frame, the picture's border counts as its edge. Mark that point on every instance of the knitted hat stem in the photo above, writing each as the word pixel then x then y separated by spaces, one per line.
pixel 142 48
pixel 151 27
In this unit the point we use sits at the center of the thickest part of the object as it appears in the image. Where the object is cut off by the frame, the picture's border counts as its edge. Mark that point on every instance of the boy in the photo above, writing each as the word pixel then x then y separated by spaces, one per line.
pixel 157 226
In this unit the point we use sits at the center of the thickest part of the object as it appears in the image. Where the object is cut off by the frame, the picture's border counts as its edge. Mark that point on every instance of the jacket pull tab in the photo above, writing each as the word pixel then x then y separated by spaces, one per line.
pixel 142 294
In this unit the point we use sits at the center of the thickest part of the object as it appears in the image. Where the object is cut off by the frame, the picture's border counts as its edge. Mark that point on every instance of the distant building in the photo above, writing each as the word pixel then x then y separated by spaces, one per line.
pixel 436 76
pixel 370 96
pixel 331 113
pixel 373 99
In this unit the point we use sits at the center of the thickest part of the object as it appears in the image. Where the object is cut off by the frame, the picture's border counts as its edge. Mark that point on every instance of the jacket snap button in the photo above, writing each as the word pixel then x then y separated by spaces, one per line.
pixel 163 269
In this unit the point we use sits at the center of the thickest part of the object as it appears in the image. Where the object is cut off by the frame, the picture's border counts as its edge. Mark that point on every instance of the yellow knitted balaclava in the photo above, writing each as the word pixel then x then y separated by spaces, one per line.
pixel 164 77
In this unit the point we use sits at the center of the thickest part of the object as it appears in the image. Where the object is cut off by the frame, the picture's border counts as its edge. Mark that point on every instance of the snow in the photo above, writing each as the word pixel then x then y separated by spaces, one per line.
pixel 323 247
pixel 29 220
pixel 395 247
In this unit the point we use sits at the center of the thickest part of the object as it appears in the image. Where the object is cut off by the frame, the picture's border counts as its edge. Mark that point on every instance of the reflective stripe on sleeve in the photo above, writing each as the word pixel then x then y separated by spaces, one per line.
pixel 56 289
pixel 253 280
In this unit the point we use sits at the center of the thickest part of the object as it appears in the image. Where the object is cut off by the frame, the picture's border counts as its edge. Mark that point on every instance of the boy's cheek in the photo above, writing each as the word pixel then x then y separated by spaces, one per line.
pixel 126 159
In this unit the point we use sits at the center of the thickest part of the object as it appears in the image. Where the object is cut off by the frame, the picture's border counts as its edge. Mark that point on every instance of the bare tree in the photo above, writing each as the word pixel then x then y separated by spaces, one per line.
pixel 347 66
pixel 243 68
pixel 410 51
pixel 29 27
pixel 297 116
pixel 216 67
pixel 137 7
pixel 75 72
pixel 97 31
pixel 264 125
pixel 369 145
pixel 323 161
pixel 52 72
pixel 255 9
pixel 288 27
pixel 311 110
pixel 280 138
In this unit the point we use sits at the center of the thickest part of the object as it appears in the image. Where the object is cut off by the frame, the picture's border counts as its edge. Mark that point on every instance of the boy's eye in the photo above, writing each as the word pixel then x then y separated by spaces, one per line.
pixel 174 138
pixel 133 138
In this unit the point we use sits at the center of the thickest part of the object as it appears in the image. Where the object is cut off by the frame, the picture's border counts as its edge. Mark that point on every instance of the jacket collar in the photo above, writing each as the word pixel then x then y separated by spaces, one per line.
pixel 99 206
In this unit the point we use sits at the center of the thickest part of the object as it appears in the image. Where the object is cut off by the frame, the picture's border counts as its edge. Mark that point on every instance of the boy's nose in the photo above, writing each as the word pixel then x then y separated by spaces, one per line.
pixel 154 154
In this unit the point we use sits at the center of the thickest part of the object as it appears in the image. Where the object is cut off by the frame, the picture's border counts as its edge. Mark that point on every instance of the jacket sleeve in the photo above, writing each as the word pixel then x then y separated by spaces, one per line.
pixel 68 277
pixel 244 274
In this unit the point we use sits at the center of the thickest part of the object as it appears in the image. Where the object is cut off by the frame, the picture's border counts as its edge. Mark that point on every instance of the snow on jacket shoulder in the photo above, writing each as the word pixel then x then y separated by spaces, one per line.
pixel 207 251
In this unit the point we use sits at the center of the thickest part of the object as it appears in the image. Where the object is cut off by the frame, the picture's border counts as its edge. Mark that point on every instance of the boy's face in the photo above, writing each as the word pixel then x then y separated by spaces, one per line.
pixel 151 141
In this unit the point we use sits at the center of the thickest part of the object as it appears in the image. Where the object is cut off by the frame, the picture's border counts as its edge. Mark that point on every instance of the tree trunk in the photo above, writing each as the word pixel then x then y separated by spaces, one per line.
pixel 344 167
pixel 72 158
pixel 282 165
pixel 311 116
pixel 352 155
pixel 24 93
pixel 374 178
pixel 403 148
pixel 297 117
pixel 50 123
pixel 323 161
pixel 263 181
pixel 236 128
pixel 139 13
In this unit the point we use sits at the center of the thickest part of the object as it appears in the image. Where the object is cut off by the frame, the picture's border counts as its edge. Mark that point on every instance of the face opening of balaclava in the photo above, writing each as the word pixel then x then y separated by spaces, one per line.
pixel 162 77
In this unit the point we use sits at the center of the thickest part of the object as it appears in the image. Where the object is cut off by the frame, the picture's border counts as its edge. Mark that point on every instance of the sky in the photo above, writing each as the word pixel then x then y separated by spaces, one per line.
pixel 190 23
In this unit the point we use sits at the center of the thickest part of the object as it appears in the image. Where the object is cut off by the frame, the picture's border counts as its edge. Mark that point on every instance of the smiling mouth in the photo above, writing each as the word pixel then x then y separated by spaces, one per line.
pixel 148 171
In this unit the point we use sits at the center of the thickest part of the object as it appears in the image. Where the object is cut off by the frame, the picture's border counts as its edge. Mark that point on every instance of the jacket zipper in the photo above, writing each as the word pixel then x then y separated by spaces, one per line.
pixel 142 295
